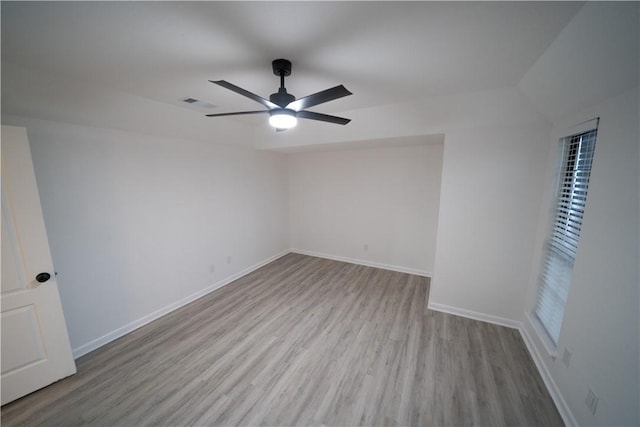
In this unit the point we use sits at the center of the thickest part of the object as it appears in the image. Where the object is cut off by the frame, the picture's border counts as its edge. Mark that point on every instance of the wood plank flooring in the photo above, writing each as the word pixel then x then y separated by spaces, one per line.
pixel 302 341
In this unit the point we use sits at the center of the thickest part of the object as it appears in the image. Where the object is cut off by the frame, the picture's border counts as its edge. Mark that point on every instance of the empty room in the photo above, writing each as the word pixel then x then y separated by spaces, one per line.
pixel 320 213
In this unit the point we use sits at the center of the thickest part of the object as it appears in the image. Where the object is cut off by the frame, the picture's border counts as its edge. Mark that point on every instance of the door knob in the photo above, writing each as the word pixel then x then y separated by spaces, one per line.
pixel 43 277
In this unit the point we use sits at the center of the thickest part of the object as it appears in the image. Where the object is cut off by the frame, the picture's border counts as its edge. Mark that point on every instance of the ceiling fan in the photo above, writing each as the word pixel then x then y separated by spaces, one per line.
pixel 283 108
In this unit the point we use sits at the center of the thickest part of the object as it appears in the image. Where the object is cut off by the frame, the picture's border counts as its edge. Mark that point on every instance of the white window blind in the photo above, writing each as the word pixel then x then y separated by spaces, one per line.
pixel 561 246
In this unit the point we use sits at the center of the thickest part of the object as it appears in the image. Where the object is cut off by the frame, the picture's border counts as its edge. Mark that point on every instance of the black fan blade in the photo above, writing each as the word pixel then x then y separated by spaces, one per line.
pixel 322 117
pixel 238 113
pixel 319 98
pixel 244 92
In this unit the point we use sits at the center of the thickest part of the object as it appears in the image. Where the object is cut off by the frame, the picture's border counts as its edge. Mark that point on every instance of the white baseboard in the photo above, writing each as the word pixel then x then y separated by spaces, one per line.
pixel 364 262
pixel 561 404
pixel 496 320
pixel 130 327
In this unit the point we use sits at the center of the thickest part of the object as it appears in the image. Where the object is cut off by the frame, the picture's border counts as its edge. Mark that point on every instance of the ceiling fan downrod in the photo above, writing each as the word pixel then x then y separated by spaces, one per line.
pixel 282 68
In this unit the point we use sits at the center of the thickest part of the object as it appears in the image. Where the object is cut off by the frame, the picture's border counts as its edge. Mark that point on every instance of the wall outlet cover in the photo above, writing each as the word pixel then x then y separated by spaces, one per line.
pixel 592 401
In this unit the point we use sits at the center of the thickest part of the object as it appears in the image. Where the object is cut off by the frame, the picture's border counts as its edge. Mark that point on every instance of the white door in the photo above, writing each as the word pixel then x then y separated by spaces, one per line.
pixel 35 344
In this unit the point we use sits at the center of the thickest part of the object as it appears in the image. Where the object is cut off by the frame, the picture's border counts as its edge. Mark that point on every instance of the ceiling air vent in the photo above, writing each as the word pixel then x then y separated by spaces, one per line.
pixel 198 103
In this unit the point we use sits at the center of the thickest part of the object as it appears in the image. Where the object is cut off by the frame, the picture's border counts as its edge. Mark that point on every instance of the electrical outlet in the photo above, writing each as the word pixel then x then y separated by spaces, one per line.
pixel 365 247
pixel 566 357
pixel 228 259
pixel 212 268
pixel 592 401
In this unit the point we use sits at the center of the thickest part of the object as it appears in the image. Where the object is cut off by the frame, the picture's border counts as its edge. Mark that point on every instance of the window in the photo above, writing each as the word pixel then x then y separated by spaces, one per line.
pixel 576 153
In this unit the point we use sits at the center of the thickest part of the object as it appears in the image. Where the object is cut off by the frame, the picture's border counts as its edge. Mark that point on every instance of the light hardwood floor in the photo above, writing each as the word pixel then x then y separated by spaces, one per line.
pixel 302 341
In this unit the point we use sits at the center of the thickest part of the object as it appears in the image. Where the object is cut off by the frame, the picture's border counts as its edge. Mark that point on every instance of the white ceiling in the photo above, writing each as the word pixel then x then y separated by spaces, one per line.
pixel 127 64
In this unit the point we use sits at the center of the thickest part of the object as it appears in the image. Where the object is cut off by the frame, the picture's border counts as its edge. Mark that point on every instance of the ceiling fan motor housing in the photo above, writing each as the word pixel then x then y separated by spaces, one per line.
pixel 282 98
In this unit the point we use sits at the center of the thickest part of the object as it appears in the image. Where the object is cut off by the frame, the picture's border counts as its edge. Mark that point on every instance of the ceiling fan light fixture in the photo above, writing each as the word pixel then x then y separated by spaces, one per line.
pixel 283 118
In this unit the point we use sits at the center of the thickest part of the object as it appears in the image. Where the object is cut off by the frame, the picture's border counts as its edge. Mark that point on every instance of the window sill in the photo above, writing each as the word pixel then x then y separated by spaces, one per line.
pixel 549 346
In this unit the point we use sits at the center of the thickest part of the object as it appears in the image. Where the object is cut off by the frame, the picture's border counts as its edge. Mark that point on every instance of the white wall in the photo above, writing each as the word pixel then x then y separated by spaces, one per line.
pixel 386 198
pixel 594 57
pixel 591 70
pixel 136 221
pixel 491 191
pixel 602 321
